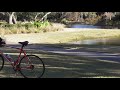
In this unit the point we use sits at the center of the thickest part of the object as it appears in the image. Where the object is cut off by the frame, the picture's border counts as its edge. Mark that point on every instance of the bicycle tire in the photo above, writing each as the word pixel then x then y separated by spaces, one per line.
pixel 1 62
pixel 37 64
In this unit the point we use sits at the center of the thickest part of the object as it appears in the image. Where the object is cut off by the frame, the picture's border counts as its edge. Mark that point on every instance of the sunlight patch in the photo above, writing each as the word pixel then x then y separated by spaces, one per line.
pixel 64 68
pixel 108 61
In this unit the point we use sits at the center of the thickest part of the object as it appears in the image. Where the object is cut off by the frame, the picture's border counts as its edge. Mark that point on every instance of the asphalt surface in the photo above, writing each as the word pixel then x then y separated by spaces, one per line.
pixel 82 53
pixel 77 52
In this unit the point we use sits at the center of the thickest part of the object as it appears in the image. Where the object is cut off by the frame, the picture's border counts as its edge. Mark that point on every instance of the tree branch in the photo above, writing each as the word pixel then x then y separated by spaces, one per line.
pixel 45 16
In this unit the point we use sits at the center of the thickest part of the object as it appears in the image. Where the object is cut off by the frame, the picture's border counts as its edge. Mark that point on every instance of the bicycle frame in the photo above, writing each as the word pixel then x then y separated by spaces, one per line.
pixel 16 62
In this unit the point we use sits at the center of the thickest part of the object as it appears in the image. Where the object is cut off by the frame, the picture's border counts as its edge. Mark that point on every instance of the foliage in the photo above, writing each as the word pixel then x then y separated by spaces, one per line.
pixel 26 16
pixel 35 27
pixel 32 20
pixel 60 16
pixel 28 25
pixel 41 24
pixel 64 20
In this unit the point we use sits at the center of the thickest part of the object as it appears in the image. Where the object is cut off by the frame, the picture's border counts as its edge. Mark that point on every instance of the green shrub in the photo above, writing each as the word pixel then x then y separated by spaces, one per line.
pixel 28 25
pixel 37 24
pixel 41 24
pixel 64 20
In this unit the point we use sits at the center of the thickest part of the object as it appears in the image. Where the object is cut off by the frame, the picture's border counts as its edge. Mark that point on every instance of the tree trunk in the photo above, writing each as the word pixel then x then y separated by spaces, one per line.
pixel 12 19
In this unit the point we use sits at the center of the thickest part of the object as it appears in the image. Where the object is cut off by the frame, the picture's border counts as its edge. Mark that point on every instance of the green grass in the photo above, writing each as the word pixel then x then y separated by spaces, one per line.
pixel 64 36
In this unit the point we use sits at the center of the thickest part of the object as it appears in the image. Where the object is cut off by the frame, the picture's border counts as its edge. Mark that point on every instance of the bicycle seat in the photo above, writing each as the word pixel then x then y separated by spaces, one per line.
pixel 25 43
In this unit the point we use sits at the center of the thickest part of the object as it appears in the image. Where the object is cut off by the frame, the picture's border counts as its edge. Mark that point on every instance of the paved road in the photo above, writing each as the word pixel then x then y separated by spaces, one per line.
pixel 78 52
pixel 83 53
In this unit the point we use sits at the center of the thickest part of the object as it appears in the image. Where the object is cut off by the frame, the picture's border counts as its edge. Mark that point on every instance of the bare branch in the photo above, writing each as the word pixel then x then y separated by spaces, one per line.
pixel 37 16
pixel 45 16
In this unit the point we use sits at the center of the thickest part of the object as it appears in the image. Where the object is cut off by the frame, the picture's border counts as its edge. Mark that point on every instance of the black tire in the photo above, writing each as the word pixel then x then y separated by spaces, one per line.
pixel 37 70
pixel 1 62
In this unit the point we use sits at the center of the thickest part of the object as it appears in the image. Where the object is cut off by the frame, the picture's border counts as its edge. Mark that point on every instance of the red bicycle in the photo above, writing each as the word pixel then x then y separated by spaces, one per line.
pixel 30 66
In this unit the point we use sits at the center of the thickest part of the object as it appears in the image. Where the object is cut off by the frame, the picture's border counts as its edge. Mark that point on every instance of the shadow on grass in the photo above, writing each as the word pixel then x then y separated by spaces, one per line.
pixel 67 66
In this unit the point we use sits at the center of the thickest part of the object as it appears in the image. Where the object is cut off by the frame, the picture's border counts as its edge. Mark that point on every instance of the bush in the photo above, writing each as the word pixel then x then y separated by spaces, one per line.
pixel 41 24
pixel 64 20
pixel 35 27
pixel 37 24
pixel 28 25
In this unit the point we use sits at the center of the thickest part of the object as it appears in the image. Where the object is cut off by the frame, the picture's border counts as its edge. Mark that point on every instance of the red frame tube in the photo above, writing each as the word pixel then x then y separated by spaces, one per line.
pixel 18 60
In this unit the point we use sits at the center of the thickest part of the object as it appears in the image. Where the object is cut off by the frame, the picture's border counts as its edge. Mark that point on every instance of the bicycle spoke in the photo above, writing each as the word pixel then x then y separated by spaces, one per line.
pixel 32 68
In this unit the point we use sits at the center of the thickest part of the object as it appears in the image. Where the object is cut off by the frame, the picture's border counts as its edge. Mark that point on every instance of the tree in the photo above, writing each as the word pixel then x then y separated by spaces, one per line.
pixel 32 16
pixel 12 19
pixel 109 15
pixel 26 16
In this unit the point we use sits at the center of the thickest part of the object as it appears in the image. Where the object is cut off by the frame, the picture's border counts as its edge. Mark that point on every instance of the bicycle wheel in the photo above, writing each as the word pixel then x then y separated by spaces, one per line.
pixel 32 67
pixel 1 62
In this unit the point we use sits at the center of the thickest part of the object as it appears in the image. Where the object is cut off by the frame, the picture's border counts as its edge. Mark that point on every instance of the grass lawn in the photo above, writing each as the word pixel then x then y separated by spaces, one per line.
pixel 63 36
